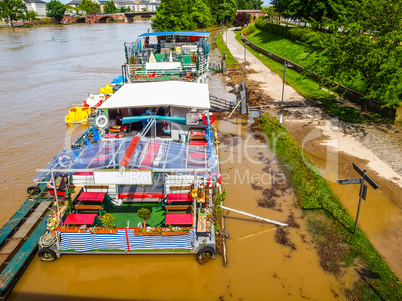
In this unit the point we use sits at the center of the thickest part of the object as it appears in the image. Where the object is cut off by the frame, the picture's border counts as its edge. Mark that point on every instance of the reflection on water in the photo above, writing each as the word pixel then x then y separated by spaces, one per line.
pixel 42 79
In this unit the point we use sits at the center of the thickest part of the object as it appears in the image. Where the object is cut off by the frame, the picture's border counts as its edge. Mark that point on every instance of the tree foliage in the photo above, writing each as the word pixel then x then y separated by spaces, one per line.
pixel 31 15
pixel 190 15
pixel 55 10
pixel 89 6
pixel 241 20
pixel 12 10
pixel 110 7
pixel 359 40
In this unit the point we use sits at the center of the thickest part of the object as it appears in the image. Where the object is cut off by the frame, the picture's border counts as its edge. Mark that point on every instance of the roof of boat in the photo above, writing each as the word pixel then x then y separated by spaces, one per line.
pixel 147 153
pixel 162 93
pixel 176 33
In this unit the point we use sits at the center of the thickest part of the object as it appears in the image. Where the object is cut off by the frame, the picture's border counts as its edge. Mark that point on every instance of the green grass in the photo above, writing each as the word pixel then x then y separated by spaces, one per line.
pixel 230 60
pixel 128 212
pixel 313 193
pixel 281 46
pixel 292 51
pixel 310 89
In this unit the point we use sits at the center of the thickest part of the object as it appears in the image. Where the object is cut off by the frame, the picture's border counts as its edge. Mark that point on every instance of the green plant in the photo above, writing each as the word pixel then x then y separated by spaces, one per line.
pixel 145 214
pixel 218 211
pixel 70 205
pixel 107 220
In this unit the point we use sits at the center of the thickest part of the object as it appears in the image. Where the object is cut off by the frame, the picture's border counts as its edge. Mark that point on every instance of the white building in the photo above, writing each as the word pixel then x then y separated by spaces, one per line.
pixel 37 6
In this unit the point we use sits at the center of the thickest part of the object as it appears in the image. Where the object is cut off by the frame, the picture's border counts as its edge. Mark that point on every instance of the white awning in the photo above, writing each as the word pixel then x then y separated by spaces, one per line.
pixel 166 93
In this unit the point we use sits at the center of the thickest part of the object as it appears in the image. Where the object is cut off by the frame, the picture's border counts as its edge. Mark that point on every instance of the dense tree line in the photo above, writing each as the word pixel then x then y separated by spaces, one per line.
pixel 190 15
pixel 359 39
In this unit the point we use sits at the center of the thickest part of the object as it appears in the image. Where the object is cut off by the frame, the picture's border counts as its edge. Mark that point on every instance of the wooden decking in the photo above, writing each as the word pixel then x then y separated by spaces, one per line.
pixel 18 242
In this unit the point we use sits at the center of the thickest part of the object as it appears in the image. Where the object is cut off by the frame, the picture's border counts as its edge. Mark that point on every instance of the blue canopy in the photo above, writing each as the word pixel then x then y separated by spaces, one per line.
pixel 176 33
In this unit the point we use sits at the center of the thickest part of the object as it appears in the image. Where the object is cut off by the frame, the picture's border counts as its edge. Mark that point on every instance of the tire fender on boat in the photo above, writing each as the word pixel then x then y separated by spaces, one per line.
pixel 206 250
pixel 101 121
pixel 33 190
pixel 46 254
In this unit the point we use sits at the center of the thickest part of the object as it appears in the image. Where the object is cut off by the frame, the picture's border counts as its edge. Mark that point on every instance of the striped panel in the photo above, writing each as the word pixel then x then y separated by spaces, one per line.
pixel 161 242
pixel 83 242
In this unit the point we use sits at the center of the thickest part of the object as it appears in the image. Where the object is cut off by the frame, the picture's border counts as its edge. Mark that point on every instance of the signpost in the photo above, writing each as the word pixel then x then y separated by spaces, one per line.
pixel 363 187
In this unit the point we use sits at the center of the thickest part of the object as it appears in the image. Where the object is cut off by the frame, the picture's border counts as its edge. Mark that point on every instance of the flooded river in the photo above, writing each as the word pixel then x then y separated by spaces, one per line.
pixel 41 78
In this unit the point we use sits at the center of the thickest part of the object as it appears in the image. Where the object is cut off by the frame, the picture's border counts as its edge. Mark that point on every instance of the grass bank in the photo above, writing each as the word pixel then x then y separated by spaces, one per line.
pixel 306 86
pixel 335 239
pixel 230 60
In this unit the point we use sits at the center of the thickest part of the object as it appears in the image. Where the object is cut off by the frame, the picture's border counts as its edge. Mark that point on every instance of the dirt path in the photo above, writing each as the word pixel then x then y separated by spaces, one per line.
pixel 333 145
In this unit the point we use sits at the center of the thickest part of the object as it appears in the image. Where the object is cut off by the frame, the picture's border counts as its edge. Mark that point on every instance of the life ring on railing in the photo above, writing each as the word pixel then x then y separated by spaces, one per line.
pixel 101 121
pixel 216 177
pixel 64 161
pixel 211 118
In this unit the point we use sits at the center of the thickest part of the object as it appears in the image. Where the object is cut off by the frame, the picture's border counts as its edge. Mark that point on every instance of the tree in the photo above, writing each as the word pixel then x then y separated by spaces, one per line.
pixel 12 10
pixel 241 20
pixel 110 8
pixel 144 214
pixel 55 10
pixel 171 15
pixel 31 15
pixel 200 14
pixel 364 43
pixel 89 6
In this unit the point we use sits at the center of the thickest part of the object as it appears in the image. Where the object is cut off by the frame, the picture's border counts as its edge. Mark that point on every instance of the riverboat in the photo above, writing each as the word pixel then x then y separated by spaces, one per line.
pixel 164 164
pixel 175 55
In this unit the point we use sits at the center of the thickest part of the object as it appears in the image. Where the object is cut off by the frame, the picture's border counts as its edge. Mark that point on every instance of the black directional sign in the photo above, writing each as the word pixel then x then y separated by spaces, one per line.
pixel 365 177
pixel 363 187
pixel 363 193
pixel 349 181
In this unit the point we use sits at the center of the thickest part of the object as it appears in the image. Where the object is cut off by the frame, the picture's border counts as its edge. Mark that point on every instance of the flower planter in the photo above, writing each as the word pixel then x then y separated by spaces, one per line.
pixel 147 233
pixel 175 233
pixel 71 230
pixel 104 231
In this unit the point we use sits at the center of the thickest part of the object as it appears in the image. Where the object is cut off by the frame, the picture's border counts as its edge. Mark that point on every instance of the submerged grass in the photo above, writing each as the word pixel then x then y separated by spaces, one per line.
pixel 230 60
pixel 313 193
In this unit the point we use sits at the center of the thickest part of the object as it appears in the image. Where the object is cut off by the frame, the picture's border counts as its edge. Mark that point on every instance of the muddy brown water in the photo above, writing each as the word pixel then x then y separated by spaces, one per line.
pixel 41 79
pixel 380 215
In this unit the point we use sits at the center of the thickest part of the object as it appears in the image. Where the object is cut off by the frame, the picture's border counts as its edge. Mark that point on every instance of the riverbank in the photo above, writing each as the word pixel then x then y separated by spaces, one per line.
pixel 298 120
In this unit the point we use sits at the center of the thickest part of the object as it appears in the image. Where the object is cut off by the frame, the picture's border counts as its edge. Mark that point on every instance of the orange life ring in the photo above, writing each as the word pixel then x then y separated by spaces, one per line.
pixel 217 177
pixel 212 118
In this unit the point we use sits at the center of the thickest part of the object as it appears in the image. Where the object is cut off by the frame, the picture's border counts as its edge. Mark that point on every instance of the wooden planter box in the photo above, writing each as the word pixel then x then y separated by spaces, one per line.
pixel 71 230
pixel 175 233
pixel 147 233
pixel 104 231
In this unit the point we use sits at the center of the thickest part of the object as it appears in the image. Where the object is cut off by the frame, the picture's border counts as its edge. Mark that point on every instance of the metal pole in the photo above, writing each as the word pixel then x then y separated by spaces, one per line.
pixel 283 91
pixel 56 197
pixel 255 216
pixel 360 201
pixel 244 58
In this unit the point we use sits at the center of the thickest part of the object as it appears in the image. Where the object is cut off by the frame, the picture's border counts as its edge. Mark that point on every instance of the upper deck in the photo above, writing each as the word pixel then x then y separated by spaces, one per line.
pixel 168 56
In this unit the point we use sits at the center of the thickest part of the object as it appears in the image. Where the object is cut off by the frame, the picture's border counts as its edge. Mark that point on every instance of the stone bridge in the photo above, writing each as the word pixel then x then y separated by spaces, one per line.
pixel 118 17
